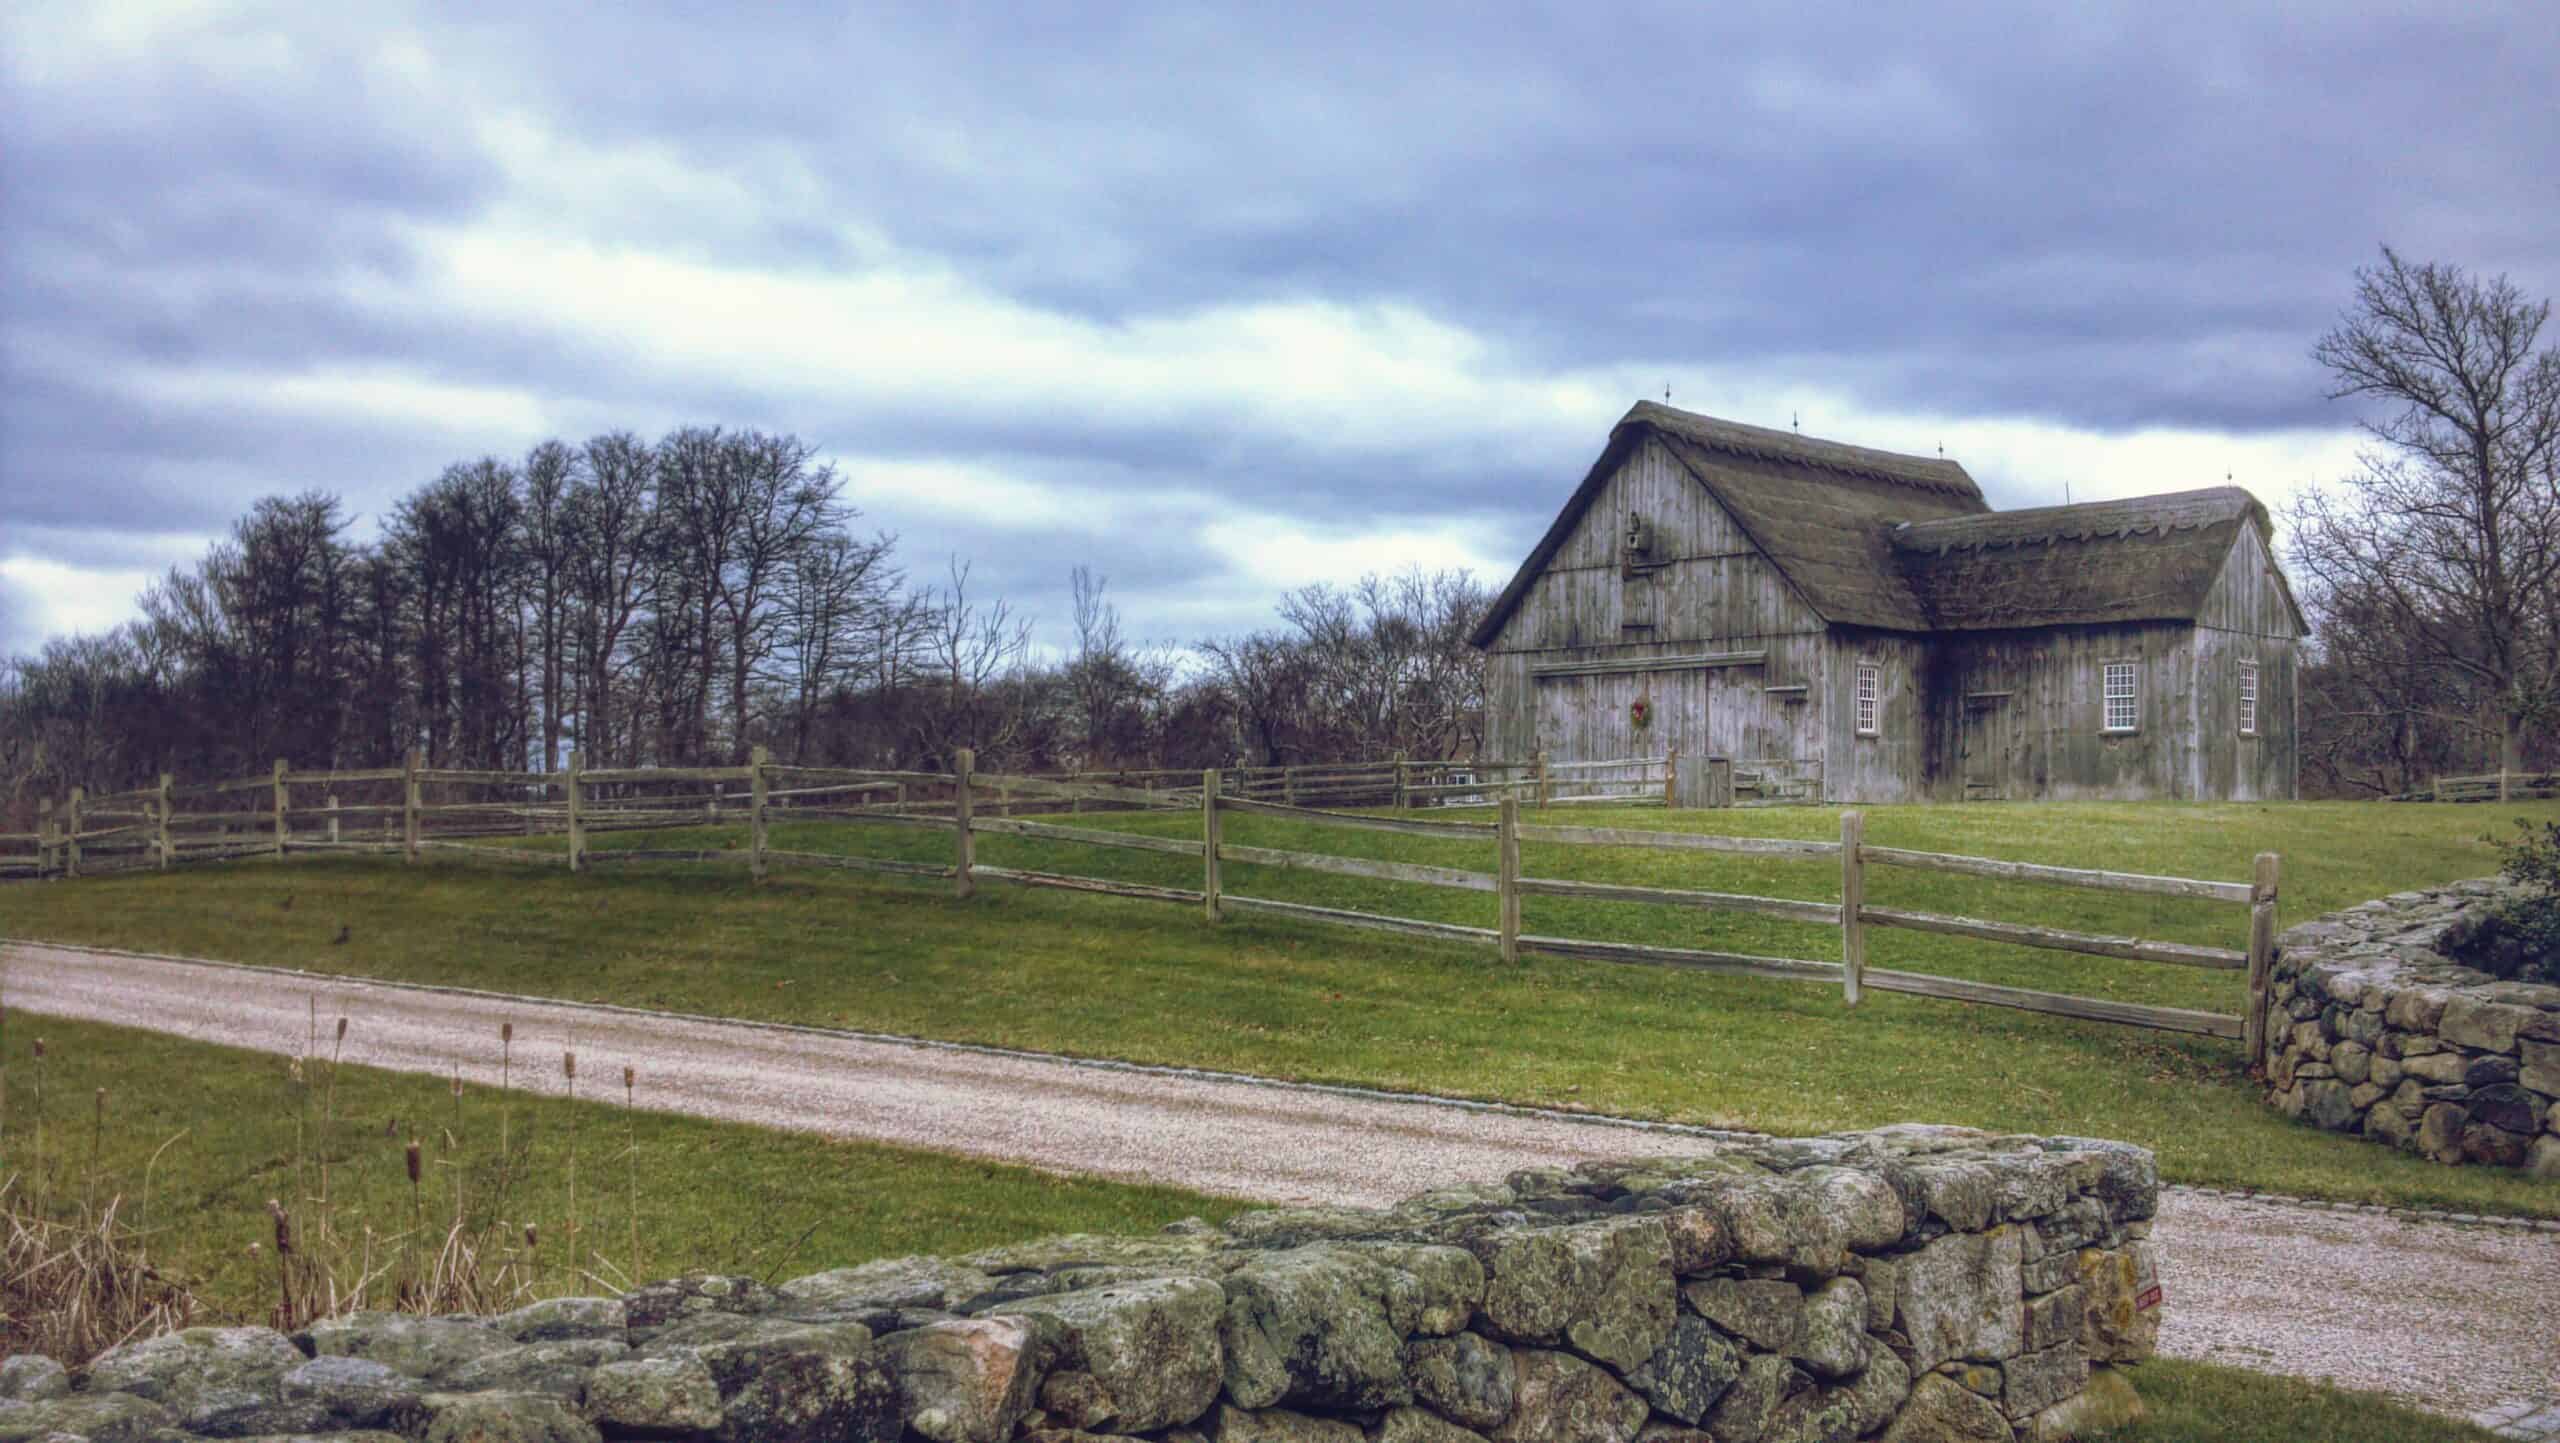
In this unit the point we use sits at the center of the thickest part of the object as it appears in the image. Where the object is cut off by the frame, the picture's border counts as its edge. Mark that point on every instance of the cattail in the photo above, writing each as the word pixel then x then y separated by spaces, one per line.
pixel 39 1049
pixel 569 1065
pixel 506 1032
pixel 532 1237
pixel 628 1077
pixel 342 1029
pixel 413 1162
pixel 284 1228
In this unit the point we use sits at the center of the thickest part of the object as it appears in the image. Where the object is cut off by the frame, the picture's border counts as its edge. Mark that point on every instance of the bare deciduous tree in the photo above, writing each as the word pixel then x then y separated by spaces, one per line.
pixel 2450 534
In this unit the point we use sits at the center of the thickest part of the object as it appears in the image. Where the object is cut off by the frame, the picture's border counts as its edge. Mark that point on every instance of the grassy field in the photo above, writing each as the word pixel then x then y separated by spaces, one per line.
pixel 216 1132
pixel 196 1139
pixel 1152 982
pixel 2200 1403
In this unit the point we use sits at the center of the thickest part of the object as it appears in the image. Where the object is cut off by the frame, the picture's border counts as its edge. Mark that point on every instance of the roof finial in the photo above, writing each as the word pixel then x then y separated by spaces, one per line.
pixel 1666 394
pixel 1795 423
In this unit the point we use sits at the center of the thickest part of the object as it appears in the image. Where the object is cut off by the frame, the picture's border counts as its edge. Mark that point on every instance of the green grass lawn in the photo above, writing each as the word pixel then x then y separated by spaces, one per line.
pixel 195 1139
pixel 1153 982
pixel 2200 1403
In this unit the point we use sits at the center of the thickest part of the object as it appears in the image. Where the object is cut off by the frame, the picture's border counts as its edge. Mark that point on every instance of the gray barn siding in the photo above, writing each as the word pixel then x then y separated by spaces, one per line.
pixel 2247 616
pixel 1893 765
pixel 2058 747
pixel 1714 593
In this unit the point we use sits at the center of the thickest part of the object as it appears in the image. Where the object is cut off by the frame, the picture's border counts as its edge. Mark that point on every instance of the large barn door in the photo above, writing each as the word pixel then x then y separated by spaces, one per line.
pixel 1986 749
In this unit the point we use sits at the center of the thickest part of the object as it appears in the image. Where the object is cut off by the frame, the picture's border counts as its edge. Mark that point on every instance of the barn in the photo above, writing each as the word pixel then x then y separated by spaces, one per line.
pixel 1851 625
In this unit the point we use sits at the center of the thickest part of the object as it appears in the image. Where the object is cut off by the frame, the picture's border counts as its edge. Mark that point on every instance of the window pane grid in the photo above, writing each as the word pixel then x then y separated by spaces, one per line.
pixel 2123 706
pixel 2248 698
pixel 1866 697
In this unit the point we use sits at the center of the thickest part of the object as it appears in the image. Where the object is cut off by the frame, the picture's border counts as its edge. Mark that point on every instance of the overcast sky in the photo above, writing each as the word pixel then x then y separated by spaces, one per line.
pixel 1218 304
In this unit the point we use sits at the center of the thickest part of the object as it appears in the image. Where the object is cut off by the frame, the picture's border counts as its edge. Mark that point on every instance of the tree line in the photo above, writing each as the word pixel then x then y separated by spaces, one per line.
pixel 677 603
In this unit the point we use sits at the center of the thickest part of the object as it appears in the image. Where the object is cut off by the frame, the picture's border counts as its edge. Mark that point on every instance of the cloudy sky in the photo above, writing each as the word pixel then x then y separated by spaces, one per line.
pixel 1218 303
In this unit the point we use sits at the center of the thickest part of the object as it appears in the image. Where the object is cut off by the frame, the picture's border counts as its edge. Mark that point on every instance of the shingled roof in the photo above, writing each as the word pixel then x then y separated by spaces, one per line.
pixel 2145 558
pixel 1906 543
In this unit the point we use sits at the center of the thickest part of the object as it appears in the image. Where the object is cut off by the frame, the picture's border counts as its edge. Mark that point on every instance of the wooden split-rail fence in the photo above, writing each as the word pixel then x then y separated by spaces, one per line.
pixel 144 829
pixel 2488 787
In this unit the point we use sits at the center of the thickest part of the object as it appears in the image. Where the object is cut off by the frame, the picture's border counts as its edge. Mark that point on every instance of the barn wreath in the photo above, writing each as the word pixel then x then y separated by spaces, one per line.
pixel 1641 712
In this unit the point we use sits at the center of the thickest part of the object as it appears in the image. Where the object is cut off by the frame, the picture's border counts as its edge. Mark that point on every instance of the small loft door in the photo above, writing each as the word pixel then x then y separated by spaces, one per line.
pixel 1986 749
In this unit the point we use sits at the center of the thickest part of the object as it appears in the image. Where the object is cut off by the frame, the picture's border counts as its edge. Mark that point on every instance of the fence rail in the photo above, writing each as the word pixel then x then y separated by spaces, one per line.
pixel 417 814
pixel 2488 787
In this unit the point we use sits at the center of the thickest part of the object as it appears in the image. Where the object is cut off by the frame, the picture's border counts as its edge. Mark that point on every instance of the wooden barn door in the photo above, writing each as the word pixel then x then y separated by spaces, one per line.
pixel 1986 749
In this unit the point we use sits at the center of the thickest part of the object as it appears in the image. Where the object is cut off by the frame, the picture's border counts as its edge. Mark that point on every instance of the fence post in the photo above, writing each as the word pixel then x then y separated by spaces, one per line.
pixel 577 790
pixel 2502 781
pixel 409 806
pixel 2435 789
pixel 1506 875
pixel 755 812
pixel 1671 777
pixel 2262 958
pixel 164 821
pixel 964 845
pixel 71 846
pixel 1211 888
pixel 1289 785
pixel 1401 803
pixel 44 836
pixel 333 819
pixel 1540 759
pixel 281 770
pixel 1853 896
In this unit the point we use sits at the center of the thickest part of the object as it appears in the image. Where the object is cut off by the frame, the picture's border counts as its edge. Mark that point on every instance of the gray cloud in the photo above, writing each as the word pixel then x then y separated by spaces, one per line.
pixel 2105 217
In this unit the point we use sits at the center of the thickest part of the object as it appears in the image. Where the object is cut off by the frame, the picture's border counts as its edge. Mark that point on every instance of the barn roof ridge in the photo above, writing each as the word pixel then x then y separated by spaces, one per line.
pixel 2115 517
pixel 1930 473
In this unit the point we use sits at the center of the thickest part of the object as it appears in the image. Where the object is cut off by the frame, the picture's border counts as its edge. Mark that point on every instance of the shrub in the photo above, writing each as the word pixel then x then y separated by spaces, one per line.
pixel 2522 938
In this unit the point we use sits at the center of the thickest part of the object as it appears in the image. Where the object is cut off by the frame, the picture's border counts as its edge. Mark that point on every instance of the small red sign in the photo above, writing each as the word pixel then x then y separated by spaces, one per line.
pixel 2148 1298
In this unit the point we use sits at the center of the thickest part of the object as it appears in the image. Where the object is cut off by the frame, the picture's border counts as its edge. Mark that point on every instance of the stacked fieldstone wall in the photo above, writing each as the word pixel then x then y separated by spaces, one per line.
pixel 1912 1284
pixel 2373 1028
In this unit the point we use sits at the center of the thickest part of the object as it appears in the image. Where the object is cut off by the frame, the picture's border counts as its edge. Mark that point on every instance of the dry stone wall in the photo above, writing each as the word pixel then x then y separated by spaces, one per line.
pixel 2373 1028
pixel 1909 1284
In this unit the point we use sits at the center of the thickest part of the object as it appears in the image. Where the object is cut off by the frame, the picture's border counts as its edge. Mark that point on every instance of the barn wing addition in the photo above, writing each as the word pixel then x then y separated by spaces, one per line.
pixel 1852 624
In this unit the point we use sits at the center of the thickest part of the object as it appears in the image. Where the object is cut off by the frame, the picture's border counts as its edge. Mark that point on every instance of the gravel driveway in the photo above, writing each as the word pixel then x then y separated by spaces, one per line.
pixel 2455 1318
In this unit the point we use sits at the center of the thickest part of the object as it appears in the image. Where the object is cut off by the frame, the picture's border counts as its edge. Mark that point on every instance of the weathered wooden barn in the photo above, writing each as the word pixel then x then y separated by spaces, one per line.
pixel 1855 625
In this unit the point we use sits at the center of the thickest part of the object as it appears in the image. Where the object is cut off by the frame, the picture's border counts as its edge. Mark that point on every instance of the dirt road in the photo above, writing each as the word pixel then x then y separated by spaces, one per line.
pixel 2451 1317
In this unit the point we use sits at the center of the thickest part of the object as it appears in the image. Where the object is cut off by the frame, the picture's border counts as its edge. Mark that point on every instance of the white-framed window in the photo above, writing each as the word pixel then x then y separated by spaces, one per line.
pixel 2248 698
pixel 1867 703
pixel 2123 697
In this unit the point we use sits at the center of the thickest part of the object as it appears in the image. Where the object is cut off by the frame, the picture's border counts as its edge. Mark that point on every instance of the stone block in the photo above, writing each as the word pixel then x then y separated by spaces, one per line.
pixel 1605 1288
pixel 2033 1382
pixel 1470 1378
pixel 2053 1318
pixel 2120 1302
pixel 1960 1298
pixel 1941 1411
pixel 2541 1069
pixel 2437 1067
pixel 2489 1026
pixel 1559 1398
pixel 2440 1131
